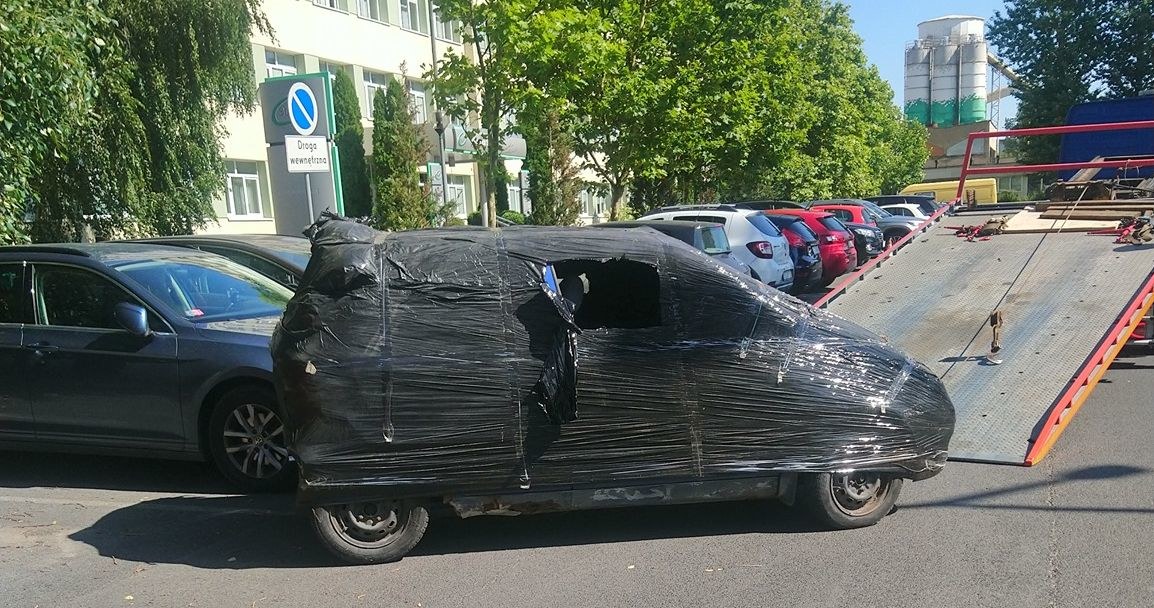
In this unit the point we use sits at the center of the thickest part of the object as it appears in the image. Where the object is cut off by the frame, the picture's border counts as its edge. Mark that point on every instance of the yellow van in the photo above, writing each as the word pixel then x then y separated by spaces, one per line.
pixel 980 191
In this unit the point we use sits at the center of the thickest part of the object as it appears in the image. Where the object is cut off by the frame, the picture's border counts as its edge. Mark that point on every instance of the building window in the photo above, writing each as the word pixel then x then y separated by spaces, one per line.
pixel 414 17
pixel 279 63
pixel 594 202
pixel 418 103
pixel 446 30
pixel 331 68
pixel 373 9
pixel 337 5
pixel 244 197
pixel 515 202
pixel 459 194
pixel 375 81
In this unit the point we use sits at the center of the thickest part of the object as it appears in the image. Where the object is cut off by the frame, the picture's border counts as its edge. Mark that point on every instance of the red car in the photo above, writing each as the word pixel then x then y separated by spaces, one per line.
pixel 838 255
pixel 847 213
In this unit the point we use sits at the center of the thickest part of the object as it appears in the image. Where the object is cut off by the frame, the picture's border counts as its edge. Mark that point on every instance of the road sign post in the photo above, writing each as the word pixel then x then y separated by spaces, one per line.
pixel 304 170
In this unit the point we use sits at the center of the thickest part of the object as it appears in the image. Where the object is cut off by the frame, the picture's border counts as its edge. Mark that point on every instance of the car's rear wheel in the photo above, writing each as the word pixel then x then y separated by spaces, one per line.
pixel 248 442
pixel 849 500
pixel 370 532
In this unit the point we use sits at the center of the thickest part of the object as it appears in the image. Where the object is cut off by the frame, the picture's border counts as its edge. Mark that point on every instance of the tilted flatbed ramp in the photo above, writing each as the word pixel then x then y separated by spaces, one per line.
pixel 1068 302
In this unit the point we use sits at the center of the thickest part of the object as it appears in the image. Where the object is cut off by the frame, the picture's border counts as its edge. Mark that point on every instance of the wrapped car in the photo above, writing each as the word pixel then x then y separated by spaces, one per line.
pixel 532 369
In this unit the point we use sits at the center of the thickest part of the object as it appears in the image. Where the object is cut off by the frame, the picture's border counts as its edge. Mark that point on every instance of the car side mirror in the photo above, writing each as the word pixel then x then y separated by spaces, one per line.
pixel 133 318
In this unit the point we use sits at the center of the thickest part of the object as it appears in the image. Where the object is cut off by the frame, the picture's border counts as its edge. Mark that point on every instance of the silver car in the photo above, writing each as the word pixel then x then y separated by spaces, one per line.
pixel 709 237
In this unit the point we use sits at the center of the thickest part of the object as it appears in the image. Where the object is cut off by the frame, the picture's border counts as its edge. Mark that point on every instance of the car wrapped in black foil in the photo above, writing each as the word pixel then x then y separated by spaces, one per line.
pixel 534 369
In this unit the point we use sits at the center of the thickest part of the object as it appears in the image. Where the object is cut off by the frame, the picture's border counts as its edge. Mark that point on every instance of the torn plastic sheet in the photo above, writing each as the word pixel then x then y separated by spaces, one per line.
pixel 453 362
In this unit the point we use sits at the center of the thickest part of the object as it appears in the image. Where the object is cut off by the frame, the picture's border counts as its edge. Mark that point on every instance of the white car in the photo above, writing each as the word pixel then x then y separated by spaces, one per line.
pixel 754 238
pixel 906 210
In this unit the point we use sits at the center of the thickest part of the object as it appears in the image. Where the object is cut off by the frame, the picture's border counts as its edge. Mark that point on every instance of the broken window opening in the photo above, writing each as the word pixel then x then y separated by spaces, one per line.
pixel 624 294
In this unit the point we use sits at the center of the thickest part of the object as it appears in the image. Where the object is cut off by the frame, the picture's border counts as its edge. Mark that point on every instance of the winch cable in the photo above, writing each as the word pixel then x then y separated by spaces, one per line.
pixel 1017 278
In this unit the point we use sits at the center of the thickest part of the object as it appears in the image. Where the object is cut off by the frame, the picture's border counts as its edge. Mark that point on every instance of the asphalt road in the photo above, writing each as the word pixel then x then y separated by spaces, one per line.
pixel 1076 530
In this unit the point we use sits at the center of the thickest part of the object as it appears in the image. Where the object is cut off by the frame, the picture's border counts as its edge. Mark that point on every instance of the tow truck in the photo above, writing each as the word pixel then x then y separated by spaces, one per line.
pixel 1020 327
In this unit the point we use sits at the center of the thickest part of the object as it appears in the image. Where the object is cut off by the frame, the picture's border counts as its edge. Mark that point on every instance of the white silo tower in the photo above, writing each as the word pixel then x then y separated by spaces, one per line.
pixel 946 72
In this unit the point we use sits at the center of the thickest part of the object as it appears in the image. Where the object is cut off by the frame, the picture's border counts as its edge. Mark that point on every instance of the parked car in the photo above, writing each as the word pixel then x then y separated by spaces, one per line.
pixel 758 242
pixel 926 203
pixel 804 248
pixel 906 210
pixel 537 369
pixel 767 205
pixel 864 212
pixel 836 242
pixel 279 257
pixel 708 237
pixel 868 240
pixel 142 350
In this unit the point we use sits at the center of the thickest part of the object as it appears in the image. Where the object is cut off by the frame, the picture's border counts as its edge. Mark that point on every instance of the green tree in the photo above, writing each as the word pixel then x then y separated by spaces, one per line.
pixel 350 138
pixel 1067 54
pixel 140 153
pixel 554 185
pixel 46 92
pixel 401 202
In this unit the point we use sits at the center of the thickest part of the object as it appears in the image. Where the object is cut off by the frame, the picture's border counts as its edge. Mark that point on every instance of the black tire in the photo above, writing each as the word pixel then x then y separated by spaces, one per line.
pixel 370 532
pixel 894 235
pixel 258 462
pixel 844 501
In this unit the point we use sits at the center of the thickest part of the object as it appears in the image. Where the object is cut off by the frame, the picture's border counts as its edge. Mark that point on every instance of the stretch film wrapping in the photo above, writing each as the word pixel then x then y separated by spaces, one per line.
pixel 469 360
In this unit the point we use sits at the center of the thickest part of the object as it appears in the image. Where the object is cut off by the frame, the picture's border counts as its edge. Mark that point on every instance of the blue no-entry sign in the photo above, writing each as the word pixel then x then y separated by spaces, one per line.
pixel 303 111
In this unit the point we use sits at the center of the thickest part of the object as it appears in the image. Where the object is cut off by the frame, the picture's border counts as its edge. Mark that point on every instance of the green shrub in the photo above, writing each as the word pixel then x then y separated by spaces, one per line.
pixel 454 221
pixel 475 219
pixel 1008 196
pixel 513 216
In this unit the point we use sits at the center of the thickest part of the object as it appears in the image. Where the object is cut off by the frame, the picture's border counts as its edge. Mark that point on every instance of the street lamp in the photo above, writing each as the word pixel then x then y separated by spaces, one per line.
pixel 439 127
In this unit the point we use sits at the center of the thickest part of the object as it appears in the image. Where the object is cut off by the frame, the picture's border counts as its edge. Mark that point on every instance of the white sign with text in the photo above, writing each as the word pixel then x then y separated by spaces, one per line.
pixel 307 154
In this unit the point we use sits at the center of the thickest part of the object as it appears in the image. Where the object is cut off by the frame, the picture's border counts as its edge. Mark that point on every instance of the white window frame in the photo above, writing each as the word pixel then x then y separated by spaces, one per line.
pixel 371 86
pixel 277 66
pixel 449 31
pixel 412 16
pixel 458 194
pixel 516 203
pixel 335 5
pixel 365 10
pixel 234 172
pixel 418 102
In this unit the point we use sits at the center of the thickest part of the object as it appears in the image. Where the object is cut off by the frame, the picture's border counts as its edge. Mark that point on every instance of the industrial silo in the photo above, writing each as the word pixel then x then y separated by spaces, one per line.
pixel 944 84
pixel 972 80
pixel 917 101
pixel 952 51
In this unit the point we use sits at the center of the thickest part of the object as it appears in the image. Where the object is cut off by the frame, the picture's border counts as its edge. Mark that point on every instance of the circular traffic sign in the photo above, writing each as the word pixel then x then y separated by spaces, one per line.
pixel 302 105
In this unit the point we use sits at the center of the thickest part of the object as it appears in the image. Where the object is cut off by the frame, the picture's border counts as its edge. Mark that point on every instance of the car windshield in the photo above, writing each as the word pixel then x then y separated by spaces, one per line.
pixel 209 288
pixel 294 249
pixel 713 240
pixel 763 224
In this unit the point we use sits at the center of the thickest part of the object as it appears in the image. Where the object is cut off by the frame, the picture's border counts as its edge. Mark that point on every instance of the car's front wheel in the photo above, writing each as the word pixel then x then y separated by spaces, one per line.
pixel 849 500
pixel 248 442
pixel 372 532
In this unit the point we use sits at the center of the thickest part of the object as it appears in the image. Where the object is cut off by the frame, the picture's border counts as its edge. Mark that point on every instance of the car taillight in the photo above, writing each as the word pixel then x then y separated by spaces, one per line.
pixel 761 249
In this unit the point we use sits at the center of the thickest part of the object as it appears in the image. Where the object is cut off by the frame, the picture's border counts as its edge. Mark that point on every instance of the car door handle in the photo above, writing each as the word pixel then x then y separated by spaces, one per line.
pixel 40 349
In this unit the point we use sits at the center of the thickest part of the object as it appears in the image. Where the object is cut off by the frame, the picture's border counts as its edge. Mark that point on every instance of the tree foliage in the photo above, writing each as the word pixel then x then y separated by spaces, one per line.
pixel 401 202
pixel 1067 53
pixel 696 100
pixel 147 84
pixel 554 183
pixel 350 139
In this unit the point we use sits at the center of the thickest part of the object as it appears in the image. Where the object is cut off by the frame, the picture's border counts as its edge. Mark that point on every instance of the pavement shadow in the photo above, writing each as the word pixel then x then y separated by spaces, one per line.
pixel 242 532
pixel 50 470
pixel 983 500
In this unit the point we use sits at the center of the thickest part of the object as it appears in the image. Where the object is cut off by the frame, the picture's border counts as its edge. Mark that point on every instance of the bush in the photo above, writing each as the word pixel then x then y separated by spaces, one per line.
pixel 1008 196
pixel 454 221
pixel 513 216
pixel 475 219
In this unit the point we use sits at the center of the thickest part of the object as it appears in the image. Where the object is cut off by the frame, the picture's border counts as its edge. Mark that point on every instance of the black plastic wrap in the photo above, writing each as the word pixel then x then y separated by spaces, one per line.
pixel 460 361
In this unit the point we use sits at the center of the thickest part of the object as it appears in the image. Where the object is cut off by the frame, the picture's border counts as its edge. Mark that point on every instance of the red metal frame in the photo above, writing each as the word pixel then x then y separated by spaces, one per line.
pixel 1002 169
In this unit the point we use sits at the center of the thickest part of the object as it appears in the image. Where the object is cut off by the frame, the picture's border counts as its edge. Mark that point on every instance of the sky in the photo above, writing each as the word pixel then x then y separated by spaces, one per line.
pixel 885 27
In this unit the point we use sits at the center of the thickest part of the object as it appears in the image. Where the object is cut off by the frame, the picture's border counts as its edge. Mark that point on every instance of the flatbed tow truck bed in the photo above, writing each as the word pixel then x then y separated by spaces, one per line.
pixel 1069 302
